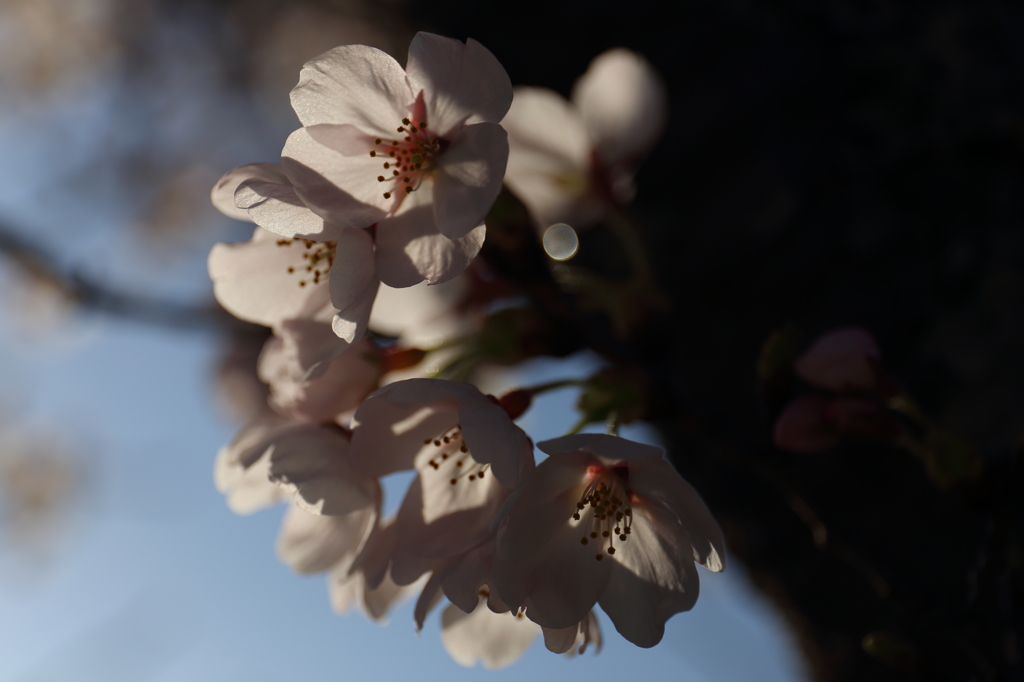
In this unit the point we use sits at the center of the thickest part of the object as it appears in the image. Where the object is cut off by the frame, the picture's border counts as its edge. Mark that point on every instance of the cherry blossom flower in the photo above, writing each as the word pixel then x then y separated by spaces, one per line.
pixel 605 521
pixel 421 142
pixel 469 456
pixel 269 280
pixel 842 360
pixel 569 161
pixel 328 395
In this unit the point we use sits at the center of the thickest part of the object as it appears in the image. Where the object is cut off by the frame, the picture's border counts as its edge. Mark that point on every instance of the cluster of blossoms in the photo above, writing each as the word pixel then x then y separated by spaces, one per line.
pixel 386 186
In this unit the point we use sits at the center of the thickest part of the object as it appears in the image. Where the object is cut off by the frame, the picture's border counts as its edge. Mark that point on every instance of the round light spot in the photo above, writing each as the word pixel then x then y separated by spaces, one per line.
pixel 561 242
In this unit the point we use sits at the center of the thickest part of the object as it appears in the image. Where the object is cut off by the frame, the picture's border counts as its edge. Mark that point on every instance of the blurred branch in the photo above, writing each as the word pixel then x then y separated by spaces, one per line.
pixel 88 293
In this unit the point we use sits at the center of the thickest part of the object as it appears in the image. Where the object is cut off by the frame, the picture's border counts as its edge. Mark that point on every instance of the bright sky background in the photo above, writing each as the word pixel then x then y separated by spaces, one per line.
pixel 154 579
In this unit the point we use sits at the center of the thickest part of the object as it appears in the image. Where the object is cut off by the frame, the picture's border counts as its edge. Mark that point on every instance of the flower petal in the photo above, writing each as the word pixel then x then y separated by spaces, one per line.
pixel 802 426
pixel 353 284
pixel 624 105
pixel 276 207
pixel 439 520
pixel 842 360
pixel 354 84
pixel 461 83
pixel 223 193
pixel 428 599
pixel 498 640
pixel 411 249
pixel 341 387
pixel 310 543
pixel 241 471
pixel 657 480
pixel 607 447
pixel 341 189
pixel 560 640
pixel 652 577
pixel 539 561
pixel 464 585
pixel 549 158
pixel 492 437
pixel 311 462
pixel 389 437
pixel 469 178
pixel 252 282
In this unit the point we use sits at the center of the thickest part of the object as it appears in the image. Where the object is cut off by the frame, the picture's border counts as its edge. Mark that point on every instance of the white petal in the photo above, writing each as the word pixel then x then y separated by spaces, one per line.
pixel 624 104
pixel 421 315
pixel 428 599
pixel 656 479
pixel 411 249
pixel 354 84
pixel 340 388
pixel 252 282
pixel 351 591
pixel 653 576
pixel 549 158
pixel 540 561
pixel 276 207
pixel 461 83
pixel 464 583
pixel 560 640
pixel 469 178
pixel 607 447
pixel 498 640
pixel 310 543
pixel 223 193
pixel 439 520
pixel 492 437
pixel 241 471
pixel 353 284
pixel 343 190
pixel 390 437
pixel 311 462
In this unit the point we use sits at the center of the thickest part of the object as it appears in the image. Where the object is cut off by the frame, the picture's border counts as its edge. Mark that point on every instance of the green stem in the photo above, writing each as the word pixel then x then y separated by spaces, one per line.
pixel 578 427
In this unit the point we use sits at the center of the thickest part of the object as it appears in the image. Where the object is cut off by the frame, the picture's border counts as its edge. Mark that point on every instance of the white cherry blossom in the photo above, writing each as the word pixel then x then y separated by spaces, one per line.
pixel 569 161
pixel 605 521
pixel 469 456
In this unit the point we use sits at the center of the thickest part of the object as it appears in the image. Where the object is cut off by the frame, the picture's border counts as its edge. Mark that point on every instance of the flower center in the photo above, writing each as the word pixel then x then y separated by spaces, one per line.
pixel 319 257
pixel 407 159
pixel 605 506
pixel 453 455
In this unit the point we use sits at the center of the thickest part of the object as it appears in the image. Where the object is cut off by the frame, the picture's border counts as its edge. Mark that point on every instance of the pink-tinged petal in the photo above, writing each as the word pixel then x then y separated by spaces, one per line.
pixel 340 388
pixel 242 472
pixel 310 543
pixel 343 190
pixel 624 105
pixel 610 448
pixel 311 462
pixel 469 178
pixel 276 207
pixel 842 360
pixel 353 284
pixel 422 315
pixel 652 577
pixel 540 561
pixel 223 193
pixel 461 83
pixel 496 640
pixel 492 437
pixel 549 158
pixel 410 249
pixel 252 282
pixel 439 520
pixel 389 437
pixel 301 350
pixel 353 84
pixel 656 480
pixel 802 426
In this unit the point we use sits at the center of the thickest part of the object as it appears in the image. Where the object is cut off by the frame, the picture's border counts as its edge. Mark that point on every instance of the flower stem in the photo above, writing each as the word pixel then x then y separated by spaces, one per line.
pixel 578 426
pixel 612 429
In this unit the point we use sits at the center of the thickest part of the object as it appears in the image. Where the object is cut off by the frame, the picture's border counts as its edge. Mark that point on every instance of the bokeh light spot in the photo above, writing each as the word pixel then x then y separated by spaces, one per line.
pixel 561 242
